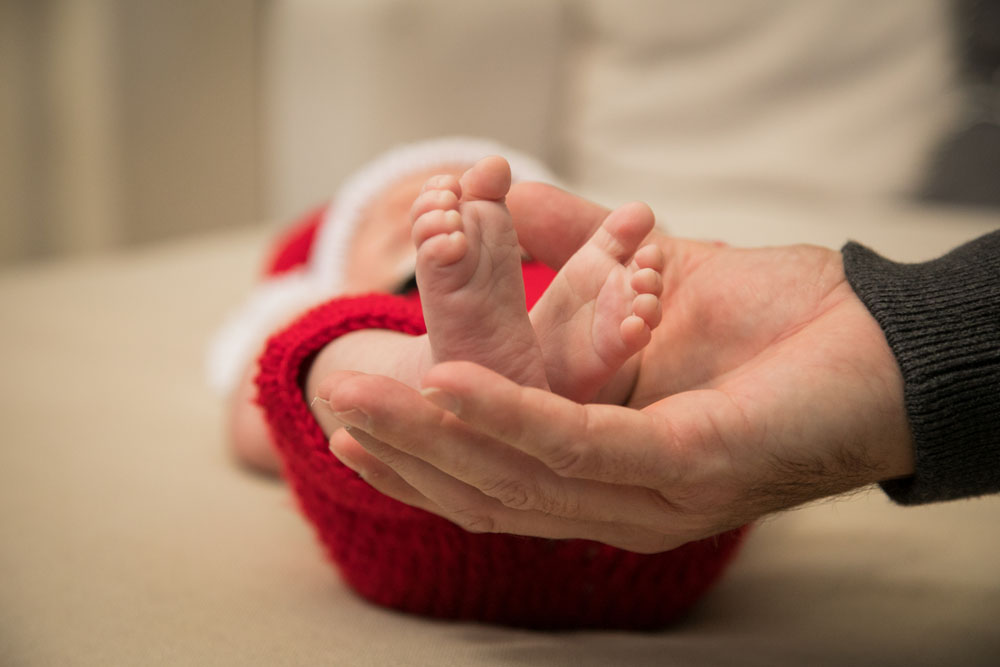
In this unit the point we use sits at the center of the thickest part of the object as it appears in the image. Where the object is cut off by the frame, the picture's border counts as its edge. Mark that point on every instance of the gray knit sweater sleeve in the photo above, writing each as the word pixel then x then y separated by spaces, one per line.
pixel 942 321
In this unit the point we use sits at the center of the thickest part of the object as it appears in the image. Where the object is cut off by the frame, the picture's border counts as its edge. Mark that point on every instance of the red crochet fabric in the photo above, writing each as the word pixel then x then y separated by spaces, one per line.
pixel 292 248
pixel 407 559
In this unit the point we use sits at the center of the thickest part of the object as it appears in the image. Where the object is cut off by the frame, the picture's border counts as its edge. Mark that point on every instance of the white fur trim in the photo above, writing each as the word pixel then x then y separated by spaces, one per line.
pixel 329 253
pixel 239 339
pixel 278 299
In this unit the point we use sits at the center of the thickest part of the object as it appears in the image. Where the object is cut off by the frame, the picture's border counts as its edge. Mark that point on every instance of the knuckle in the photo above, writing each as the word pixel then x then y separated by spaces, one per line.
pixel 474 521
pixel 576 456
pixel 662 506
pixel 513 493
pixel 681 513
pixel 570 460
pixel 526 496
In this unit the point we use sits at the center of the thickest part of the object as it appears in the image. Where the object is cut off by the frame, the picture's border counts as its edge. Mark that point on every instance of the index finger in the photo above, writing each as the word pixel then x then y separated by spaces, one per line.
pixel 596 442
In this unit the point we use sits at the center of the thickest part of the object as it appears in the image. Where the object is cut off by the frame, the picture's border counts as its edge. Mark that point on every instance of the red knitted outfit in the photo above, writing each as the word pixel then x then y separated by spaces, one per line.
pixel 408 559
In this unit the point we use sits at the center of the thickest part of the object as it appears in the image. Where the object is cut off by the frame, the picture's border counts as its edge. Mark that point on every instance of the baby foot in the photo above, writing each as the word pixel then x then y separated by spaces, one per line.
pixel 469 274
pixel 601 308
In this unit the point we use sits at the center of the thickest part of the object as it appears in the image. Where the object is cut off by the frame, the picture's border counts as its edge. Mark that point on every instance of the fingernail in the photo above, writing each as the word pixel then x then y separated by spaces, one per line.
pixel 357 469
pixel 355 418
pixel 326 417
pixel 442 399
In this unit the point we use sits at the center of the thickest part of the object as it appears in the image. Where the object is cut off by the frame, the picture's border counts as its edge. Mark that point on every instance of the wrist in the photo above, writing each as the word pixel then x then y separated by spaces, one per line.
pixel 891 443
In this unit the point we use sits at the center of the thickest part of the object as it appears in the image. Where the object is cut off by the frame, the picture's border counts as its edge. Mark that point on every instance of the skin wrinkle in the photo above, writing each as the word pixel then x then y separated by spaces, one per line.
pixel 518 494
pixel 475 522
pixel 701 486
pixel 407 465
pixel 571 458
pixel 746 429
pixel 549 500
pixel 519 434
pixel 495 516
pixel 514 493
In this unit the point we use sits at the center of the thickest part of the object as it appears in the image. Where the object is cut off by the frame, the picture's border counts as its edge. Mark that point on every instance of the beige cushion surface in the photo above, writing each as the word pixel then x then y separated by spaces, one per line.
pixel 131 538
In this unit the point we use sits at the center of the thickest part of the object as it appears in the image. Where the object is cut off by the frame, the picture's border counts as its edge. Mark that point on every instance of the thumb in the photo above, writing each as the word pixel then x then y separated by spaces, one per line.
pixel 551 223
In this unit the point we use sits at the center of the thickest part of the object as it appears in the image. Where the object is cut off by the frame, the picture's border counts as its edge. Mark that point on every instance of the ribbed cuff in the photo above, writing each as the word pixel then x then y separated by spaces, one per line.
pixel 942 321
pixel 300 441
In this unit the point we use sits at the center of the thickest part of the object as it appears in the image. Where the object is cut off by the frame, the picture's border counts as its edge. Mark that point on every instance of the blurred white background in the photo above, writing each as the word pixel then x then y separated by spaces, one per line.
pixel 131 121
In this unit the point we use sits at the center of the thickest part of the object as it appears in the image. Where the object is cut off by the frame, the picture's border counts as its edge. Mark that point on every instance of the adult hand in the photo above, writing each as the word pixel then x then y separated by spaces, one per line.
pixel 767 384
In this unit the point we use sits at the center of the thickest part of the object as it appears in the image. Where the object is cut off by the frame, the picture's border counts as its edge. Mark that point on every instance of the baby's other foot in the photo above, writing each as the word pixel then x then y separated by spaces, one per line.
pixel 469 274
pixel 601 308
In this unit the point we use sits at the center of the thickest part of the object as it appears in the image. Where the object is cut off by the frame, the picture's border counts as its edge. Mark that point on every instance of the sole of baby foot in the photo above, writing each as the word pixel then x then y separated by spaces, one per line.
pixel 601 308
pixel 469 274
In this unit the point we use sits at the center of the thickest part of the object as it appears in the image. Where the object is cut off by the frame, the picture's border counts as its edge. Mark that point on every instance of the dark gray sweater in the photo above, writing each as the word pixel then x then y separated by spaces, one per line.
pixel 942 321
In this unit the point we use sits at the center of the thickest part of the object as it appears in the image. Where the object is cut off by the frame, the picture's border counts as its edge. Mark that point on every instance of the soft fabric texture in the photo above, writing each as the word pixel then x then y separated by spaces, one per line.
pixel 401 557
pixel 942 321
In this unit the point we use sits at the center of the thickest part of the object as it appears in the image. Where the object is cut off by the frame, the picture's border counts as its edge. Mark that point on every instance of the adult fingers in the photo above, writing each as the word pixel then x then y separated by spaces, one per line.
pixel 414 482
pixel 595 442
pixel 684 449
pixel 382 477
pixel 409 433
pixel 551 223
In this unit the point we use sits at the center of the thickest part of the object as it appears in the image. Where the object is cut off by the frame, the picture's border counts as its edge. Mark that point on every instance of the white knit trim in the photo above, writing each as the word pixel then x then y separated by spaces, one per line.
pixel 278 299
pixel 238 340
pixel 329 253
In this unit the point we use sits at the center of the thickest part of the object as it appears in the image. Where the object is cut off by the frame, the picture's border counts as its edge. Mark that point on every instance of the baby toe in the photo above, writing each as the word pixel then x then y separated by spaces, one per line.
pixel 647 281
pixel 435 223
pixel 650 257
pixel 635 333
pixel 647 307
pixel 443 250
pixel 489 179
pixel 433 200
pixel 624 230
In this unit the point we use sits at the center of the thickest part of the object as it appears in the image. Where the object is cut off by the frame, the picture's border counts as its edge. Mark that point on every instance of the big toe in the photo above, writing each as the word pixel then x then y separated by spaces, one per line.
pixel 624 230
pixel 488 179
